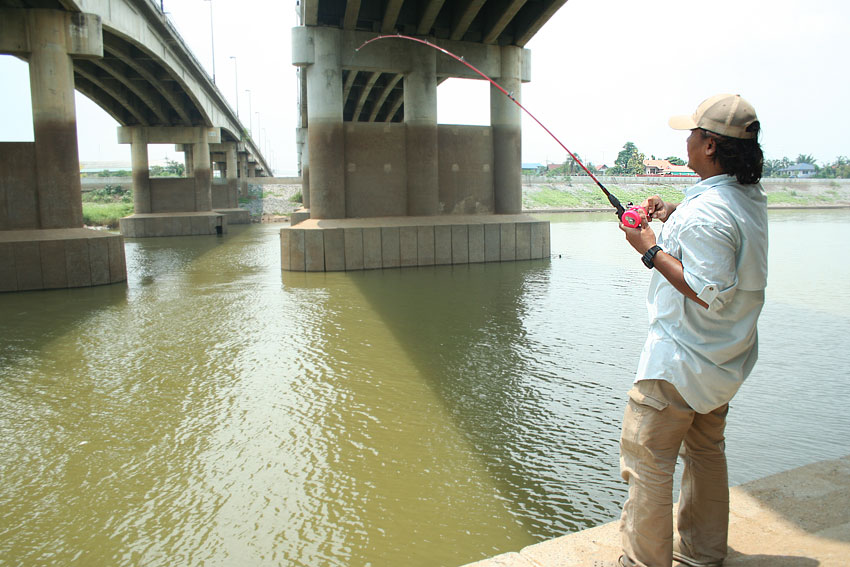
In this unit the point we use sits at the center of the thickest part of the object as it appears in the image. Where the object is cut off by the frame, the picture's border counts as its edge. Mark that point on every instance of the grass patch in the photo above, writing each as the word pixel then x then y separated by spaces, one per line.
pixel 787 197
pixel 589 196
pixel 105 214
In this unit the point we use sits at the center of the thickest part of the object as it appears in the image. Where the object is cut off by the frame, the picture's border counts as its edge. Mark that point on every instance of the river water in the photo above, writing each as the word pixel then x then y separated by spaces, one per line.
pixel 217 411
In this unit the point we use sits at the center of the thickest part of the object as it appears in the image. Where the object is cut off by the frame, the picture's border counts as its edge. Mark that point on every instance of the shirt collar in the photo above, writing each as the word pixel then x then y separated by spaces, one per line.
pixel 717 180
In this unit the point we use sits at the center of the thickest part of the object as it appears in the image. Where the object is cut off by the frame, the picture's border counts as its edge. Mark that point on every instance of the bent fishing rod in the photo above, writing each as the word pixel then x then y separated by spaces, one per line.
pixel 629 217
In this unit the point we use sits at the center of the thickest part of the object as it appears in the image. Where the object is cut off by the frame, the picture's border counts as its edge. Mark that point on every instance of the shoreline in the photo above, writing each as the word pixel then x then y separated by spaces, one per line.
pixel 790 519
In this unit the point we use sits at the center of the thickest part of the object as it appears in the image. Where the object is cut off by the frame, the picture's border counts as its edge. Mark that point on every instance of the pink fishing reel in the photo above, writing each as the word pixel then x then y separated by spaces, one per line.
pixel 632 217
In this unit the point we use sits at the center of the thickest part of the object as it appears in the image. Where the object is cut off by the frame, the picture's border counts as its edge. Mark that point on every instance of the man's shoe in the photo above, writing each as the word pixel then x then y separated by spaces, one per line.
pixel 685 560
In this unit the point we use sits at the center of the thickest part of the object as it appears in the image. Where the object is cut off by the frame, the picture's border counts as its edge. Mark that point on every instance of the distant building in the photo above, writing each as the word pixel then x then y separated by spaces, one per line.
pixel 532 168
pixel 664 167
pixel 799 170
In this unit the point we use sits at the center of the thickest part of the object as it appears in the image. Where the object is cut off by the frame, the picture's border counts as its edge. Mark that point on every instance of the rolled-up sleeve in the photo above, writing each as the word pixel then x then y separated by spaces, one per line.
pixel 709 261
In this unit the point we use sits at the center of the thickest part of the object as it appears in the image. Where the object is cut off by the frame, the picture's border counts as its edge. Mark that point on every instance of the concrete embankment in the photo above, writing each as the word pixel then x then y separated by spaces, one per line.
pixel 798 518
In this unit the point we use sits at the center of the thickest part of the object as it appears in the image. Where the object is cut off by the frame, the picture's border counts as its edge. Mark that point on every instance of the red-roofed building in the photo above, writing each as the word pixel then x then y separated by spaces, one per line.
pixel 664 167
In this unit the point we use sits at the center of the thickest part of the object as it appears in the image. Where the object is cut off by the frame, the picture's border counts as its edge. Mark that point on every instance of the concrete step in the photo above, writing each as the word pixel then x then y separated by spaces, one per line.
pixel 798 518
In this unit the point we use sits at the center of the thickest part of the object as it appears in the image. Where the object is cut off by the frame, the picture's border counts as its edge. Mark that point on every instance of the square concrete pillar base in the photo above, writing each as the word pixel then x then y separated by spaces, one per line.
pixel 393 242
pixel 173 224
pixel 60 258
pixel 235 216
pixel 301 214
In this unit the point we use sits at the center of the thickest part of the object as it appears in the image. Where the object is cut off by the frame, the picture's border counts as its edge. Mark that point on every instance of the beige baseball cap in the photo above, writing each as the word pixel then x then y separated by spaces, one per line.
pixel 724 114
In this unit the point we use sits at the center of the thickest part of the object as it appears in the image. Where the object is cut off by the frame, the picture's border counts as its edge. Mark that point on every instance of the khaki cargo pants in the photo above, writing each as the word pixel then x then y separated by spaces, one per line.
pixel 657 423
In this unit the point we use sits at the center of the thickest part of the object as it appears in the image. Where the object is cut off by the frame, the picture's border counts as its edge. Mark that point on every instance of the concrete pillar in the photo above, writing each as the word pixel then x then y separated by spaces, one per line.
pixel 243 174
pixel 141 172
pixel 189 160
pixel 231 175
pixel 505 119
pixel 304 166
pixel 202 171
pixel 252 169
pixel 325 136
pixel 54 121
pixel 420 118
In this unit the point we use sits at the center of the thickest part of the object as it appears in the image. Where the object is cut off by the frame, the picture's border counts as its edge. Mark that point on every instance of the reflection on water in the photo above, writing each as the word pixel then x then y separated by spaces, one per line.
pixel 215 410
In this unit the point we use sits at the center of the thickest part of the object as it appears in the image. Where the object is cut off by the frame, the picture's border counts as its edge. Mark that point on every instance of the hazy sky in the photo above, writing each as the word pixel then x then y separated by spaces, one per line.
pixel 604 72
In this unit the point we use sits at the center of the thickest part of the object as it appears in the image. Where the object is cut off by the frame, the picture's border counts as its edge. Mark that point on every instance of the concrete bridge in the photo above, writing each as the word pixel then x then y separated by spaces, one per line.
pixel 127 58
pixel 384 185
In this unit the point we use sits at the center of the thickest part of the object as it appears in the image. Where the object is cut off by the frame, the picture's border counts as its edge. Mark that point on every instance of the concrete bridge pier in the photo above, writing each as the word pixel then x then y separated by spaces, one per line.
pixel 420 119
pixel 188 158
pixel 304 165
pixel 225 192
pixel 172 206
pixel 243 174
pixel 325 134
pixel 43 244
pixel 415 193
pixel 505 119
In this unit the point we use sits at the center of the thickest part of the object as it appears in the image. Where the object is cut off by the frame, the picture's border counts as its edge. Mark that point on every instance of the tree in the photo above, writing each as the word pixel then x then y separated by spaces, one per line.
pixel 676 160
pixel 636 166
pixel 622 161
pixel 840 168
pixel 171 169
pixel 629 161
pixel 806 158
pixel 773 167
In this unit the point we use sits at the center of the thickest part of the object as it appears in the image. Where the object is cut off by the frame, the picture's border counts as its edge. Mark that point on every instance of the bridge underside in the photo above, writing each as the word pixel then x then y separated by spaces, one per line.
pixel 369 143
pixel 130 61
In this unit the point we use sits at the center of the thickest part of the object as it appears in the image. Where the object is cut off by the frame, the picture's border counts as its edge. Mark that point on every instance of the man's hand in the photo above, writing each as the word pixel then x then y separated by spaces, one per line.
pixel 658 209
pixel 642 238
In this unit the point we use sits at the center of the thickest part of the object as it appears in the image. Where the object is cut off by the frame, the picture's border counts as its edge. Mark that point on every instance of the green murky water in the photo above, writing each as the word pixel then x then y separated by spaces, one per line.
pixel 217 411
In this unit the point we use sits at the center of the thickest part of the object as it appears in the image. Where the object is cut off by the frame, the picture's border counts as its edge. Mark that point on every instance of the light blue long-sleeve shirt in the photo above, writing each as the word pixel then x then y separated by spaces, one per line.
pixel 719 233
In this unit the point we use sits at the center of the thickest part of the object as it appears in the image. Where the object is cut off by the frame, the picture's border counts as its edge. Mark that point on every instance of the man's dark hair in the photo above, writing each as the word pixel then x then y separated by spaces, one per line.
pixel 741 158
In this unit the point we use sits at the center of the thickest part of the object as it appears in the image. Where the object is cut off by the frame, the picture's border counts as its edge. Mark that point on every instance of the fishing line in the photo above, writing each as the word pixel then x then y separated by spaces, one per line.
pixel 628 217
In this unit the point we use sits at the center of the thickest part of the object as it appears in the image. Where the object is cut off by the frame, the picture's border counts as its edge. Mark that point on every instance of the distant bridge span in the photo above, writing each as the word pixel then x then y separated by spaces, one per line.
pixel 127 58
pixel 147 76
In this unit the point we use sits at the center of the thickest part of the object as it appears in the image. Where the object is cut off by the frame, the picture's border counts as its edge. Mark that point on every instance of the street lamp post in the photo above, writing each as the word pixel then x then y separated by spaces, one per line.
pixel 236 79
pixel 212 40
pixel 259 132
pixel 250 114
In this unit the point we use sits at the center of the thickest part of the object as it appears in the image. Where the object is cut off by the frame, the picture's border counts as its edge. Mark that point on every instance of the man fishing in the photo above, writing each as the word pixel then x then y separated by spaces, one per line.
pixel 709 265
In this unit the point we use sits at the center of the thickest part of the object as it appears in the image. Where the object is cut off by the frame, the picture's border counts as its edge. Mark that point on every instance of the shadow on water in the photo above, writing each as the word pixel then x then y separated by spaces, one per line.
pixel 106 397
pixel 23 315
pixel 546 433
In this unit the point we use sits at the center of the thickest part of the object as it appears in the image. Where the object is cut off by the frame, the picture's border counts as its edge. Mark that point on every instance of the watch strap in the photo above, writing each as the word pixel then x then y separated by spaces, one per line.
pixel 648 257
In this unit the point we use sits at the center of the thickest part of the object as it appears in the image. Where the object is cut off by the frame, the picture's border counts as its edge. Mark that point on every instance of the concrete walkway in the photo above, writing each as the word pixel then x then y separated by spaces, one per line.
pixel 799 518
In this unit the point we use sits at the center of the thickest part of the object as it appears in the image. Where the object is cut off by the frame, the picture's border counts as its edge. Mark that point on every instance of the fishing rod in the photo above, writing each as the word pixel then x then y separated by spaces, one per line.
pixel 629 217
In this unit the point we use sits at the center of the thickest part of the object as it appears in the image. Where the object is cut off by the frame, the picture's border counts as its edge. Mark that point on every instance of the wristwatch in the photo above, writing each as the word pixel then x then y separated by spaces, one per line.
pixel 649 256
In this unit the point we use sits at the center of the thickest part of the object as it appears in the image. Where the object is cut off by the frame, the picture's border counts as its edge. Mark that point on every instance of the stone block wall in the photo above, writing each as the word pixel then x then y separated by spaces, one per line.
pixel 60 258
pixel 349 244
pixel 376 170
pixel 172 194
pixel 173 224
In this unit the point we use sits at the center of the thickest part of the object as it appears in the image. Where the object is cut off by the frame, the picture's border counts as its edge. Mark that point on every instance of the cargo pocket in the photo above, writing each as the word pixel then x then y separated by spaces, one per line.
pixel 648 393
pixel 645 403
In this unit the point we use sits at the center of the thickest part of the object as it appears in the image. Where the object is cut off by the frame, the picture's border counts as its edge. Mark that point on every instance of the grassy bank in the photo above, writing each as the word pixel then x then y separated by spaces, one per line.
pixel 581 196
pixel 584 195
pixel 103 207
pixel 105 214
